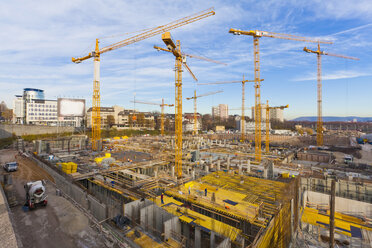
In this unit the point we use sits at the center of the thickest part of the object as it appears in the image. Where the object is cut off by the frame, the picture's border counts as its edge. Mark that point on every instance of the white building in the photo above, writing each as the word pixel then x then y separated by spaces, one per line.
pixel 250 126
pixel 32 108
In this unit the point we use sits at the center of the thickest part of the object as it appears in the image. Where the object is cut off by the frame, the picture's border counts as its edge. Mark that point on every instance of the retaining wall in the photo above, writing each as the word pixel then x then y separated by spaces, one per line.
pixel 86 201
pixel 6 130
pixel 342 205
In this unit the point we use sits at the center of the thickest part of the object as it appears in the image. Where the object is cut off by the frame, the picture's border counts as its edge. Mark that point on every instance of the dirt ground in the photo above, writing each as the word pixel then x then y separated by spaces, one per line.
pixel 59 224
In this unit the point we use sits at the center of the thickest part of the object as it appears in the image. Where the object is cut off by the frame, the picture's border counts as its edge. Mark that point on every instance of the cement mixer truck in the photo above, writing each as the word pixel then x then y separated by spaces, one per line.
pixel 35 194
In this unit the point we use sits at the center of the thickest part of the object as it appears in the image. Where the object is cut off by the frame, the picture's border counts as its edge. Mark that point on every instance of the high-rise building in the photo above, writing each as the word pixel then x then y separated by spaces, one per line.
pixel 220 111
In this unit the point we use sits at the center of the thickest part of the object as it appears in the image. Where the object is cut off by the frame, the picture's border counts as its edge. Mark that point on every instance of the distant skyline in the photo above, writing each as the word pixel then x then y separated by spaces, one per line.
pixel 39 39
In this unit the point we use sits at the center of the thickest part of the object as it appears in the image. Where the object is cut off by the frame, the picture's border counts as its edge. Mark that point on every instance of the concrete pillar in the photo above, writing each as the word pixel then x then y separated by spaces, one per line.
pixel 156 173
pixel 249 166
pixel 265 173
pixel 172 171
pixel 212 240
pixel 186 232
pixel 218 165
pixel 193 174
pixel 197 240
pixel 207 168
pixel 240 168
pixel 228 163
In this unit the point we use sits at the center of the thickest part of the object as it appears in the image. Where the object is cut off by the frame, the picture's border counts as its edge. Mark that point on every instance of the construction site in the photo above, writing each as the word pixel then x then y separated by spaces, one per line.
pixel 177 189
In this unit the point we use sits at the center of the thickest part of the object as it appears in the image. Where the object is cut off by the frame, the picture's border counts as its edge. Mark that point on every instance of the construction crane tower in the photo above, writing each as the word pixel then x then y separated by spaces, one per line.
pixel 268 108
pixel 162 104
pixel 256 55
pixel 319 53
pixel 195 132
pixel 175 49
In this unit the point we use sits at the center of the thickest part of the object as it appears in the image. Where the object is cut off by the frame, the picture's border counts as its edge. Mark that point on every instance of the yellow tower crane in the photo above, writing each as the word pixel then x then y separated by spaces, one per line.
pixel 96 101
pixel 195 108
pixel 256 54
pixel 175 49
pixel 319 126
pixel 243 101
pixel 268 108
pixel 162 104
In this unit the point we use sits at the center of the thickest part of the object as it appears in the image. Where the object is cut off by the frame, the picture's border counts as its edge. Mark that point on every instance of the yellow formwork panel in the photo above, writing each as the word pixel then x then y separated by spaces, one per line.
pixel 242 197
pixel 144 240
pixel 342 221
pixel 194 218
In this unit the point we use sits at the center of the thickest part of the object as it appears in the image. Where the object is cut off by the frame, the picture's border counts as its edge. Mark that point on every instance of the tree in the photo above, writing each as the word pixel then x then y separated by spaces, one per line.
pixel 110 120
pixel 7 114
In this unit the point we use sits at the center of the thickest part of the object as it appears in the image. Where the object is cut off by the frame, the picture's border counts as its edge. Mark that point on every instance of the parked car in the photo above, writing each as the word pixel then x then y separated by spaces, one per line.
pixel 12 166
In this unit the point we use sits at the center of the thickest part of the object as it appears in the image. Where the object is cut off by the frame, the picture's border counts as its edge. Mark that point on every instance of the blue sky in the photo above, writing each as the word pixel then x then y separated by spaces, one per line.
pixel 39 38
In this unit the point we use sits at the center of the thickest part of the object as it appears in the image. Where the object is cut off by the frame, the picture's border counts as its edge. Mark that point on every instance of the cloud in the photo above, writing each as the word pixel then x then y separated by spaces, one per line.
pixel 341 74
pixel 39 39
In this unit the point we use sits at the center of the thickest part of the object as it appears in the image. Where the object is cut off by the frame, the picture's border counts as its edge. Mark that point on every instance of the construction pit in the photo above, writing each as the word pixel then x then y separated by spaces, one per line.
pixel 225 198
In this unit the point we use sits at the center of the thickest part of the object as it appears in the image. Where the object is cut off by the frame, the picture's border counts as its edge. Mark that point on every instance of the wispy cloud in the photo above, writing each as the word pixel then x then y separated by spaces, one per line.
pixel 39 39
pixel 340 74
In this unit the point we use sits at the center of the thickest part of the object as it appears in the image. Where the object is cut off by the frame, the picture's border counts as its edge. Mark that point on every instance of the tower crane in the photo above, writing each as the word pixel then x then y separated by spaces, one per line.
pixel 175 49
pixel 195 112
pixel 96 54
pixel 243 100
pixel 256 54
pixel 268 108
pixel 162 104
pixel 319 126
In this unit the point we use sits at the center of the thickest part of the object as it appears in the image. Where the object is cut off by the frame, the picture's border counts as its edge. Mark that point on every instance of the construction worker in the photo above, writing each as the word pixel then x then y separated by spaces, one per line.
pixel 162 198
pixel 206 191
pixel 189 190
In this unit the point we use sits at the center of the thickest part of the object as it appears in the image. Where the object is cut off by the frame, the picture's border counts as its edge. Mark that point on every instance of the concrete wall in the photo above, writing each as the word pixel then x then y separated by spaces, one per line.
pixel 317 157
pixel 174 225
pixel 6 130
pixel 342 205
pixel 7 233
pixel 85 200
pixel 344 188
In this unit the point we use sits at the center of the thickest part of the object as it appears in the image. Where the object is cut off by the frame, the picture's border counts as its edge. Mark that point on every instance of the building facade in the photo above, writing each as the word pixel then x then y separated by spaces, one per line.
pixel 275 114
pixel 104 112
pixel 32 108
pixel 220 111
pixel 188 122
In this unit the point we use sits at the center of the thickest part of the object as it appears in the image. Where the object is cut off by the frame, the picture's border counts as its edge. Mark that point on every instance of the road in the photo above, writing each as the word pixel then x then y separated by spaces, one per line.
pixel 59 224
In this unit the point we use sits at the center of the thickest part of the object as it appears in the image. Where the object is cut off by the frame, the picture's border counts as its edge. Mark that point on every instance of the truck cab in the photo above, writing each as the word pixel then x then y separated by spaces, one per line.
pixel 348 159
pixel 11 166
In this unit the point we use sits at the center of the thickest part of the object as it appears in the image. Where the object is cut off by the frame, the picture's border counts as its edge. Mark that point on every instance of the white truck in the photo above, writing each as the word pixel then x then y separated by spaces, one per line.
pixel 35 194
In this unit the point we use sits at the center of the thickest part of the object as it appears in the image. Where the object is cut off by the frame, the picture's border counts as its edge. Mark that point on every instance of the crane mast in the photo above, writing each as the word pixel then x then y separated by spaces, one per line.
pixel 195 131
pixel 243 101
pixel 162 112
pixel 96 118
pixel 195 115
pixel 178 113
pixel 319 53
pixel 180 60
pixel 268 108
pixel 96 102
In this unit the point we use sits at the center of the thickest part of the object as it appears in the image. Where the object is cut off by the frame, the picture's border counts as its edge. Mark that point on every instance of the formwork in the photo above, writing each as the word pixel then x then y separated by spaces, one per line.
pixel 260 209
